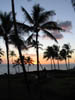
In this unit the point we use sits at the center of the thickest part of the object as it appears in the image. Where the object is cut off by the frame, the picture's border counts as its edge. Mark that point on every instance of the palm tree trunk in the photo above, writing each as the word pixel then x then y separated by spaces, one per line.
pixel 51 64
pixel 66 64
pixel 8 70
pixel 58 64
pixel 54 64
pixel 18 46
pixel 37 53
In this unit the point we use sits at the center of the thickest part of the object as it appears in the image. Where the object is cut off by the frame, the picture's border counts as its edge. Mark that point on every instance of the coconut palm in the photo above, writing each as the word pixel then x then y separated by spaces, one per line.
pixel 57 56
pixel 49 54
pixel 18 44
pixel 69 51
pixel 29 61
pixel 63 56
pixel 12 54
pixel 5 30
pixel 39 21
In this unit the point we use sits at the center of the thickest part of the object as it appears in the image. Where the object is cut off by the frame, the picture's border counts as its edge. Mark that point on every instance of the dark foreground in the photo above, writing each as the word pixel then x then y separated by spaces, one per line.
pixel 53 85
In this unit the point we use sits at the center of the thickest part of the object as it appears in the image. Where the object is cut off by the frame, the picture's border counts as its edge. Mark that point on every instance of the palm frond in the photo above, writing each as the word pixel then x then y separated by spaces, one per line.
pixel 24 27
pixel 51 26
pixel 28 17
pixel 36 12
pixel 44 17
pixel 17 41
pixel 50 35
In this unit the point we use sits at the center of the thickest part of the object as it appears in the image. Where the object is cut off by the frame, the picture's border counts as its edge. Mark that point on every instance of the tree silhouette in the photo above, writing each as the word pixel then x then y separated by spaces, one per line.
pixel 12 54
pixel 1 54
pixel 5 30
pixel 39 21
pixel 57 55
pixel 49 54
pixel 63 55
pixel 18 44
pixel 69 52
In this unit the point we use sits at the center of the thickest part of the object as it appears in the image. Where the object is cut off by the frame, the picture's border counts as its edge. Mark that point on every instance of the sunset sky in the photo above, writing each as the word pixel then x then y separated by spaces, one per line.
pixel 65 16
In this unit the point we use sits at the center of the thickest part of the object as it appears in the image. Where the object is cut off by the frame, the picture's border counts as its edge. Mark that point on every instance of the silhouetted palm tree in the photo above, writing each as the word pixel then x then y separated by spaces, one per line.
pixel 18 44
pixel 29 61
pixel 69 51
pixel 5 30
pixel 63 55
pixel 56 52
pixel 39 21
pixel 48 54
pixel 12 54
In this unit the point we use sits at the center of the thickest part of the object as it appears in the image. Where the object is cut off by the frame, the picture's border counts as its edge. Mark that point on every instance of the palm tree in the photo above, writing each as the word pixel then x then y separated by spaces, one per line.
pixel 18 44
pixel 12 54
pixel 39 21
pixel 49 54
pixel 56 52
pixel 5 30
pixel 69 51
pixel 29 61
pixel 63 55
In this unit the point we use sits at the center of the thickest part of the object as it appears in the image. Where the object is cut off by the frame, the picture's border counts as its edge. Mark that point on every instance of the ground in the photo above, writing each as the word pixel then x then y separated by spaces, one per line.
pixel 52 85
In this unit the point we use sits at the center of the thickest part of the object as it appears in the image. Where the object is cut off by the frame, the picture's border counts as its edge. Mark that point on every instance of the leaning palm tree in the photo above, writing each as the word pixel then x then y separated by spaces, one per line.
pixel 12 54
pixel 18 44
pixel 39 21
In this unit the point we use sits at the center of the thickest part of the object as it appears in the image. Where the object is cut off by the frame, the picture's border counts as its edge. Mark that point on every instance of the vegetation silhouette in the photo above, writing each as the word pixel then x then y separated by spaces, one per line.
pixel 54 52
pixel 1 54
pixel 12 54
pixel 39 21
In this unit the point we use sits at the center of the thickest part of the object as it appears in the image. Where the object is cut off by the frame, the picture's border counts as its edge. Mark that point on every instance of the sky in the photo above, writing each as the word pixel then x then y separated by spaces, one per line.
pixel 65 16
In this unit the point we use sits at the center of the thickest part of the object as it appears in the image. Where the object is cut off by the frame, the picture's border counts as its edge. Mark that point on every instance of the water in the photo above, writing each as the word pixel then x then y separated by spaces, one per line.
pixel 18 69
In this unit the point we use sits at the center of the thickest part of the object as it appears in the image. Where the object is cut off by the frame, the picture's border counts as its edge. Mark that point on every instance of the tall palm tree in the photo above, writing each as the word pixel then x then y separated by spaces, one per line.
pixel 19 45
pixel 39 21
pixel 5 30
pixel 12 54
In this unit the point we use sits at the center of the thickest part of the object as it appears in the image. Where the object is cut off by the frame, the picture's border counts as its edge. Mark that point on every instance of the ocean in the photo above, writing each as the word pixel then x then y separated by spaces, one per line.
pixel 18 69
